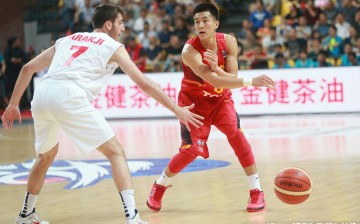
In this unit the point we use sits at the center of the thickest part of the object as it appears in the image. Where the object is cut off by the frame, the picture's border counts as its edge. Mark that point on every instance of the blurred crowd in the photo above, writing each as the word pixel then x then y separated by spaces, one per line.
pixel 273 34
pixel 311 33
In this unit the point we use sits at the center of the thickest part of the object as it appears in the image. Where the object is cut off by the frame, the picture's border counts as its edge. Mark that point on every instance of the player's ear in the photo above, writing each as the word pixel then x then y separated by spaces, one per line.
pixel 216 24
pixel 108 25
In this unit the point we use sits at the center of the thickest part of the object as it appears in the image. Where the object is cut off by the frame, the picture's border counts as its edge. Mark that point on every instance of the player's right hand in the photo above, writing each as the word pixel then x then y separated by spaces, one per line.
pixel 187 117
pixel 263 81
pixel 11 113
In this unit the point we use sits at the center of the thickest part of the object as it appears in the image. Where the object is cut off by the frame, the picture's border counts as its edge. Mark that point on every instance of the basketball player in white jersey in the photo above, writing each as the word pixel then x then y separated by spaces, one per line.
pixel 80 65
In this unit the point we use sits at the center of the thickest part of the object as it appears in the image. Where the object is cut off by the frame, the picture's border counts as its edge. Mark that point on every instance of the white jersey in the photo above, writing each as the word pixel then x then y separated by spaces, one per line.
pixel 83 58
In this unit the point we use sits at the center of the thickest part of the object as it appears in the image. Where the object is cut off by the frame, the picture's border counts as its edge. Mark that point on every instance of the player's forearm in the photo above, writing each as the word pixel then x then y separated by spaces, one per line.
pixel 220 72
pixel 229 83
pixel 153 90
pixel 21 84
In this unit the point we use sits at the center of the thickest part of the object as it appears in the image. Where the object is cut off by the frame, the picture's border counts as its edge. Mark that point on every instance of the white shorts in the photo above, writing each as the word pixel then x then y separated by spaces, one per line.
pixel 63 104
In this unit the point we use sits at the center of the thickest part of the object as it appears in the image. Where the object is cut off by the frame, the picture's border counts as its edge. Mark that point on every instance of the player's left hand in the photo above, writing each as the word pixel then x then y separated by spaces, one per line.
pixel 11 113
pixel 187 117
pixel 212 59
pixel 263 80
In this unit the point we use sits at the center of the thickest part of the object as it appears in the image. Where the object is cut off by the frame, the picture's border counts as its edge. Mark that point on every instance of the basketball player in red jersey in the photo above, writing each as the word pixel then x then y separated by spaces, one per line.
pixel 210 71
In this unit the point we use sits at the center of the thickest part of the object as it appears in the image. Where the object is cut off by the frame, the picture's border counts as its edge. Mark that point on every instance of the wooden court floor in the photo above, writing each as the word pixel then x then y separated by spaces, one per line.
pixel 327 146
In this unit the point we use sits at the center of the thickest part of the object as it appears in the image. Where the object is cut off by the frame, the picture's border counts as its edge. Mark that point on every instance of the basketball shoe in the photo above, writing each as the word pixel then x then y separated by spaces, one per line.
pixel 256 201
pixel 135 220
pixel 32 218
pixel 155 197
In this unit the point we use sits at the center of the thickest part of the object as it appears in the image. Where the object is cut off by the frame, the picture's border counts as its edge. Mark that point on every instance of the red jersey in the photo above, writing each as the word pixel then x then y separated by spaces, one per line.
pixel 196 90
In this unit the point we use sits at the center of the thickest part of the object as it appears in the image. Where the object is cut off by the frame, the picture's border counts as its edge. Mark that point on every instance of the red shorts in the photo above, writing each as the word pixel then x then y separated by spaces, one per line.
pixel 222 115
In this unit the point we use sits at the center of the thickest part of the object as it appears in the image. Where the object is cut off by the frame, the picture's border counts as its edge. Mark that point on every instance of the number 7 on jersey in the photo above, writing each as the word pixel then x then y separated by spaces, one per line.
pixel 78 51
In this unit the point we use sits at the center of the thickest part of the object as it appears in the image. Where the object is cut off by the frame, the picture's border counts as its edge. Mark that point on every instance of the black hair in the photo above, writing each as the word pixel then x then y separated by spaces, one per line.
pixel 105 12
pixel 204 7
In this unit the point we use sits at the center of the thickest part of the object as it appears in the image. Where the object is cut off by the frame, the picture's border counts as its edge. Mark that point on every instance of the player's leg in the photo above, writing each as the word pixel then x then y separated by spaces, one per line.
pixel 46 146
pixel 227 121
pixel 89 130
pixel 121 175
pixel 193 145
pixel 34 185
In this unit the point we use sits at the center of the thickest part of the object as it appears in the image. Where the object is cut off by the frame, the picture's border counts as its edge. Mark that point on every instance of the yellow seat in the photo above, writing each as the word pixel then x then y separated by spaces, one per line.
pixel 271 63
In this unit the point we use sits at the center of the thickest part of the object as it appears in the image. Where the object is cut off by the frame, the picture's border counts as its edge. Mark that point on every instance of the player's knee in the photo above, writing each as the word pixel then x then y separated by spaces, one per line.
pixel 232 132
pixel 188 153
pixel 182 159
pixel 246 158
pixel 112 149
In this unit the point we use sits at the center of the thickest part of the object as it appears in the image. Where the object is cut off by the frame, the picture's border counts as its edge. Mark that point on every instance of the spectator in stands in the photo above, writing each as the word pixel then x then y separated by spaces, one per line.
pixel 144 36
pixel 332 43
pixel 158 19
pixel 352 38
pixel 259 15
pixel 137 52
pixel 293 44
pixel 154 54
pixel 3 98
pixel 348 10
pixel 311 13
pixel 283 29
pixel 280 61
pixel 303 61
pixel 303 32
pixel 272 6
pixel 165 34
pixel 313 49
pixel 127 33
pixel 249 42
pixel 322 25
pixel 15 58
pixel 344 57
pixel 130 20
pixel 330 12
pixel 315 34
pixel 270 41
pixel 264 31
pixel 66 12
pixel 342 26
pixel 84 10
pixel 256 58
pixel 178 14
pixel 246 25
pixel 181 30
pixel 356 23
pixel 352 59
pixel 322 60
pixel 139 21
pixel 173 55
pixel 292 18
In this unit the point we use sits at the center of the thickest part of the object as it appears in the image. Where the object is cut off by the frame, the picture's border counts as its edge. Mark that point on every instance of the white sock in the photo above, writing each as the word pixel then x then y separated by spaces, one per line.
pixel 254 181
pixel 29 203
pixel 127 197
pixel 163 179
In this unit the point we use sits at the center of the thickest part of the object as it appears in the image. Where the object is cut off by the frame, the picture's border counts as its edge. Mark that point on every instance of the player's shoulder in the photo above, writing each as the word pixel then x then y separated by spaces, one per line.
pixel 229 38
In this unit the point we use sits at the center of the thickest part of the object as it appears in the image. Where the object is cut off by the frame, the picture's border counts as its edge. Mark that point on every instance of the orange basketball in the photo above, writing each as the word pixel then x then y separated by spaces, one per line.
pixel 292 185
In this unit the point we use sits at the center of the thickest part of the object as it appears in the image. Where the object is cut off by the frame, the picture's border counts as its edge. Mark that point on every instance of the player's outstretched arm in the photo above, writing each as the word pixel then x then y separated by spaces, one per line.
pixel 40 62
pixel 184 114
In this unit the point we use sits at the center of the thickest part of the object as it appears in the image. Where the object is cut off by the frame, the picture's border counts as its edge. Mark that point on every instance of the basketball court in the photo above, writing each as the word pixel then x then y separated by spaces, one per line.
pixel 79 188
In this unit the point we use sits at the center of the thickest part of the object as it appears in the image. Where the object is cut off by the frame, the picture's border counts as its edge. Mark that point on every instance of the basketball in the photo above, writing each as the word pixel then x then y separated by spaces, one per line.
pixel 292 185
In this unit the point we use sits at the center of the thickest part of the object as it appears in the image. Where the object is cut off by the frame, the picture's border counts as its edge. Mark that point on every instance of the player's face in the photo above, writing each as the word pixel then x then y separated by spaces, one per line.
pixel 205 24
pixel 117 27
